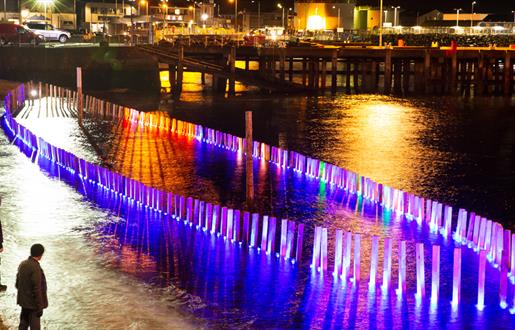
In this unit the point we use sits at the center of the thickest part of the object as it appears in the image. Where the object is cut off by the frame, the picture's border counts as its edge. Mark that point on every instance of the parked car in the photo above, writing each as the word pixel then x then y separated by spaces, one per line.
pixel 16 34
pixel 48 32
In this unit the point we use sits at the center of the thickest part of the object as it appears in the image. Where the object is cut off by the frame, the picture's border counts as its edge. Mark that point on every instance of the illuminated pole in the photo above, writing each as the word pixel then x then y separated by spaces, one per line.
pixel 395 15
pixel 472 14
pixel 457 16
pixel 380 23
pixel 282 19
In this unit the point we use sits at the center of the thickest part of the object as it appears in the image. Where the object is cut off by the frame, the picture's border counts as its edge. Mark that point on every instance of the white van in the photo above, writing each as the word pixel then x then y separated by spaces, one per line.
pixel 48 32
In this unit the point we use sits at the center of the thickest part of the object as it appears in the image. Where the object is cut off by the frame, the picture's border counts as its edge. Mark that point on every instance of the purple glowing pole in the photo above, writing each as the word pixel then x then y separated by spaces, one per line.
pixel 237 225
pixel 373 263
pixel 338 252
pixel 264 233
pixel 488 235
pixel 223 223
pixel 347 246
pixel 401 290
pixel 421 286
pixel 284 236
pixel 299 245
pixel 316 248
pixel 481 280
pixel 456 277
pixel 290 239
pixel 230 224
pixel 357 258
pixel 323 251
pixel 254 230
pixel 271 236
pixel 387 264
pixel 246 228
pixel 435 287
pixel 482 233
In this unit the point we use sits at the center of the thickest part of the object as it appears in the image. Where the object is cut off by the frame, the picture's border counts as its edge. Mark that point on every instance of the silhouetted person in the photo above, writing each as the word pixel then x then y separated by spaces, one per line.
pixel 2 287
pixel 31 285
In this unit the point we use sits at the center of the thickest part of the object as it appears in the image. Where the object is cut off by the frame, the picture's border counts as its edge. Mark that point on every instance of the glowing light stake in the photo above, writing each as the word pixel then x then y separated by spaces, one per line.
pixel 246 228
pixel 435 287
pixel 357 258
pixel 401 290
pixel 215 220
pixel 316 248
pixel 482 233
pixel 347 246
pixel 264 233
pixel 284 236
pixel 209 216
pixel 290 239
pixel 237 226
pixel 481 280
pixel 503 281
pixel 421 285
pixel 448 221
pixel 488 235
pixel 323 251
pixel 512 259
pixel 230 224
pixel 271 236
pixel 499 248
pixel 456 277
pixel 254 230
pixel 299 245
pixel 373 263
pixel 477 224
pixel 338 245
pixel 387 264
pixel 470 231
pixel 223 223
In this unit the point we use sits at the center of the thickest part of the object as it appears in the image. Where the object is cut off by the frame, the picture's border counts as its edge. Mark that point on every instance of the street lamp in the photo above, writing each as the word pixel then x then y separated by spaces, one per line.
pixel 337 25
pixel 385 16
pixel 395 15
pixel 458 16
pixel 45 4
pixel 472 13
pixel 281 7
pixel 204 18
pixel 235 14
pixel 513 12
pixel 380 23
pixel 259 12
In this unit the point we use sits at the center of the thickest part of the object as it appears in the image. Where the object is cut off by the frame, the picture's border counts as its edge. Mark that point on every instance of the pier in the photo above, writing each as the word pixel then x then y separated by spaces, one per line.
pixel 400 70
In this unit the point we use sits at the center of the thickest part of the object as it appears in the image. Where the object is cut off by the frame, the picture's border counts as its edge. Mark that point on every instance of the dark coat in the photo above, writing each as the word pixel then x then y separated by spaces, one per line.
pixel 31 285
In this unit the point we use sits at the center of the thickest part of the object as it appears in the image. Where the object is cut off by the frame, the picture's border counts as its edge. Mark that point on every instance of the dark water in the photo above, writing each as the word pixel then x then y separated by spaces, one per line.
pixel 458 152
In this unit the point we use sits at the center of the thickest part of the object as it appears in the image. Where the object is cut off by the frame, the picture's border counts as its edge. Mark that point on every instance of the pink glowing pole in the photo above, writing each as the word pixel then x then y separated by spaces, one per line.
pixel 254 230
pixel 264 233
pixel 482 233
pixel 284 236
pixel 347 246
pixel 503 281
pixel 488 235
pixel 223 223
pixel 338 252
pixel 230 224
pixel 299 245
pixel 209 216
pixel 357 258
pixel 470 231
pixel 401 290
pixel 447 221
pixel 435 287
pixel 290 239
pixel 373 263
pixel 499 247
pixel 215 219
pixel 421 286
pixel 315 263
pixel 271 236
pixel 237 225
pixel 387 264
pixel 481 280
pixel 477 225
pixel 323 251
pixel 246 229
pixel 512 258
pixel 456 277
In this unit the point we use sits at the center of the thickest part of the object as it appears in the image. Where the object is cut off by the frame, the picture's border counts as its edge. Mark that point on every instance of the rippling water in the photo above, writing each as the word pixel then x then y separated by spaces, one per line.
pixel 163 274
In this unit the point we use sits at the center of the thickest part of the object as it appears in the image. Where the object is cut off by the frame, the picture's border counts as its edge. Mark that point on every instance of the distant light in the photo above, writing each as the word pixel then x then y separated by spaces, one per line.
pixel 417 27
pixel 316 22
pixel 204 17
pixel 33 93
pixel 498 28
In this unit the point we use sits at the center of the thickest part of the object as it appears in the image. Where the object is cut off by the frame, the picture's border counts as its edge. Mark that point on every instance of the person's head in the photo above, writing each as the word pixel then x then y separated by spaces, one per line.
pixel 36 251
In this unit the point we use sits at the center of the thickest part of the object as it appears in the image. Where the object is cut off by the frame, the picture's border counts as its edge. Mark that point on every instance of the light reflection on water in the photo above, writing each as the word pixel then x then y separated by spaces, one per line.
pixel 251 290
